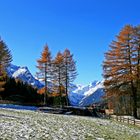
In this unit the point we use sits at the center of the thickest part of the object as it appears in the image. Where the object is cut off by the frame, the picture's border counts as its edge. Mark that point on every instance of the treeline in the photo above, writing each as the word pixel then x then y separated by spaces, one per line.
pixel 19 92
pixel 57 75
pixel 121 69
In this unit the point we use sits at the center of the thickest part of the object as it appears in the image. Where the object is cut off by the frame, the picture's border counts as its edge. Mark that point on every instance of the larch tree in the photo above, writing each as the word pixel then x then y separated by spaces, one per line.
pixel 44 74
pixel 70 72
pixel 5 60
pixel 119 67
pixel 58 70
pixel 136 59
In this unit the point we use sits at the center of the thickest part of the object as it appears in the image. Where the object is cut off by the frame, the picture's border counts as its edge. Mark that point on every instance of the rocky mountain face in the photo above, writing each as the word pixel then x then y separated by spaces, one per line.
pixel 23 74
pixel 87 95
pixel 78 96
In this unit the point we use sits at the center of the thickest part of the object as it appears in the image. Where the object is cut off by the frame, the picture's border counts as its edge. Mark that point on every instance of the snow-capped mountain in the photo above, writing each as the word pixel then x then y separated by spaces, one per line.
pixel 23 74
pixel 87 95
pixel 93 95
pixel 79 96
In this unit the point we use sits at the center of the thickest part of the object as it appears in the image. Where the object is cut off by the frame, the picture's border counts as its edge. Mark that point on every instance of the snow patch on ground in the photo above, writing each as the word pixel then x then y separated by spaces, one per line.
pixel 24 124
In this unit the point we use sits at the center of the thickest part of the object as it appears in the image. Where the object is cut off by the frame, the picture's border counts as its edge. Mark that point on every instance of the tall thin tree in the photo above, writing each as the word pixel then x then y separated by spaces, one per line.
pixel 70 71
pixel 5 60
pixel 119 67
pixel 44 66
pixel 58 70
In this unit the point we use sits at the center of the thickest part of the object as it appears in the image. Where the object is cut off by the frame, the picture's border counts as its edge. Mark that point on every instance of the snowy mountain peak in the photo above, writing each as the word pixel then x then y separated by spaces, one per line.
pixel 11 69
pixel 93 95
pixel 87 95
pixel 20 71
pixel 23 74
pixel 92 89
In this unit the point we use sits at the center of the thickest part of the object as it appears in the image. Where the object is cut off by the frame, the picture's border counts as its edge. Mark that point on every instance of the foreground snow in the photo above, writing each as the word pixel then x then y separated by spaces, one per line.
pixel 24 124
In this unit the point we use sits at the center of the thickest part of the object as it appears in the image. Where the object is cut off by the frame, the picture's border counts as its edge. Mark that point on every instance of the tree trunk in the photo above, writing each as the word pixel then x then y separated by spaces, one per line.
pixel 134 97
pixel 133 89
pixel 60 92
pixel 45 93
pixel 67 100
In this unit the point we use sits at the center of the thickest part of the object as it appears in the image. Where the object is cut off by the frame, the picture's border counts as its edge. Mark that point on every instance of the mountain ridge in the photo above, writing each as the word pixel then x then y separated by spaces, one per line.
pixel 87 95
pixel 23 74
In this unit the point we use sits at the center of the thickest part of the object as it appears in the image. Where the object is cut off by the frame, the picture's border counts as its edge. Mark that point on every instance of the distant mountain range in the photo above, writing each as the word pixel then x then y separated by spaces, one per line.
pixel 78 96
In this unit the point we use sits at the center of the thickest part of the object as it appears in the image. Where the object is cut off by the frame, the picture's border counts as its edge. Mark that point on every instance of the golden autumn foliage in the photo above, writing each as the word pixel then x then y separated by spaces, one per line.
pixel 121 66
pixel 41 91
pixel 1 85
pixel 59 59
pixel 44 64
pixel 5 56
pixel 64 71
pixel 5 60
pixel 53 94
pixel 57 74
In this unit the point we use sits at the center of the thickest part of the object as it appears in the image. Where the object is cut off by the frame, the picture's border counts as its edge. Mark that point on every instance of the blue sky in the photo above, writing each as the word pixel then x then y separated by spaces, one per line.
pixel 86 27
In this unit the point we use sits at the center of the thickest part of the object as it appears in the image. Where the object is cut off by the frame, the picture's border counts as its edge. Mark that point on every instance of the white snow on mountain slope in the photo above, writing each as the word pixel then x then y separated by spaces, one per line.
pixel 80 89
pixel 94 95
pixel 94 88
pixel 23 74
pixel 87 95
pixel 11 69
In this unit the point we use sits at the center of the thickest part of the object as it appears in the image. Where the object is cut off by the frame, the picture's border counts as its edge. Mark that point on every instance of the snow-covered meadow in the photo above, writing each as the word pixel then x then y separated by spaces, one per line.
pixel 31 125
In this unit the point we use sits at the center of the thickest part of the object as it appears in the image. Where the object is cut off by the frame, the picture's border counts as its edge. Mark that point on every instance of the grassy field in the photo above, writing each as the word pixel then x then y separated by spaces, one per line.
pixel 31 125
